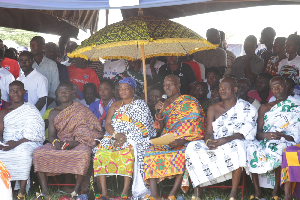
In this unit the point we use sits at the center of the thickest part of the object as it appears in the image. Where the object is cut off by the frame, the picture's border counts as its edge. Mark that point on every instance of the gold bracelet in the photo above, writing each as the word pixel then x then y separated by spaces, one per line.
pixel 53 143
pixel 207 141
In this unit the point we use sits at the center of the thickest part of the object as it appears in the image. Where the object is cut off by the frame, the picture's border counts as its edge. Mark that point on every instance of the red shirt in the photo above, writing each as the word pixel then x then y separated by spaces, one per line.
pixel 196 68
pixel 12 66
pixel 255 95
pixel 82 76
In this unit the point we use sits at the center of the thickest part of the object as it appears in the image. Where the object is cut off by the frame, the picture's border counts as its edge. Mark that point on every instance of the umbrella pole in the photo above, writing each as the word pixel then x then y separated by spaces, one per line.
pixel 144 73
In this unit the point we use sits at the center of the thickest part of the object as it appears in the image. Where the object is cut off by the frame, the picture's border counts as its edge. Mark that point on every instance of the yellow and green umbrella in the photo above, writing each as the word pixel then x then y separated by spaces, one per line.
pixel 140 38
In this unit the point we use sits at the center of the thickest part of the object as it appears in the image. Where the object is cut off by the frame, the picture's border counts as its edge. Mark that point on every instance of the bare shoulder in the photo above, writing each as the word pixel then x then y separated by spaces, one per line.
pixel 212 108
pixel 265 108
pixel 53 113
pixel 5 111
pixel 115 105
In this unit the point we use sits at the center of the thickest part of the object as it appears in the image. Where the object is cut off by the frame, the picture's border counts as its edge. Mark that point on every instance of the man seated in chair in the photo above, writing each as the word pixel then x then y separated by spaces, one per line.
pixel 182 116
pixel 72 130
pixel 22 129
pixel 230 123
pixel 277 128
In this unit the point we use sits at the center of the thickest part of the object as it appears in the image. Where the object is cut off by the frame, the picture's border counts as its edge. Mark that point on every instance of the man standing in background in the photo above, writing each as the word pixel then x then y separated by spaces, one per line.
pixel 46 67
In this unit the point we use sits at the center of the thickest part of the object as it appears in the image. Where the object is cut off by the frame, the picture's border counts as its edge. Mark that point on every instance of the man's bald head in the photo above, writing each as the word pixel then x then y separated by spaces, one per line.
pixel 278 78
pixel 228 88
pixel 174 77
pixel 64 92
pixel 279 88
pixel 230 80
pixel 172 85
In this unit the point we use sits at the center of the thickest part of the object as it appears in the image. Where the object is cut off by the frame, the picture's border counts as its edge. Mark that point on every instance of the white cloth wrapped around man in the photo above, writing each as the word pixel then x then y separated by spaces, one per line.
pixel 22 122
pixel 266 155
pixel 208 167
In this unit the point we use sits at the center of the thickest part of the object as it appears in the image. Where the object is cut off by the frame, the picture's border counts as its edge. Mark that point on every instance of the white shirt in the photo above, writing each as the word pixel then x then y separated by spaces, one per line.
pixel 157 65
pixel 49 69
pixel 5 79
pixel 111 69
pixel 36 86
pixel 84 102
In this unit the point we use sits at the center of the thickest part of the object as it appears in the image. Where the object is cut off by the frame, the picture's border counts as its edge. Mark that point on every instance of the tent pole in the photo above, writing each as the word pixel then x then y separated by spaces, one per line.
pixel 106 17
pixel 144 73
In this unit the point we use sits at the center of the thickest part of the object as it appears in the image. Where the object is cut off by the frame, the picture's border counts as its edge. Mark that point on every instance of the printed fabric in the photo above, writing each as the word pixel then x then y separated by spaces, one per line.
pixel 272 66
pixel 22 122
pixel 290 168
pixel 266 155
pixel 186 120
pixel 208 167
pixel 135 121
pixel 74 123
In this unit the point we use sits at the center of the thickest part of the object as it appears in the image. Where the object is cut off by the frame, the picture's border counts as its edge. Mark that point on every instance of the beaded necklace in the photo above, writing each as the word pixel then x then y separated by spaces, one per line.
pixel 119 116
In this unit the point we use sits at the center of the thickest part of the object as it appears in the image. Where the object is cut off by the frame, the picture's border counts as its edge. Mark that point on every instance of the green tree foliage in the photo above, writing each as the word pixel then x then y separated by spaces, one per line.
pixel 21 37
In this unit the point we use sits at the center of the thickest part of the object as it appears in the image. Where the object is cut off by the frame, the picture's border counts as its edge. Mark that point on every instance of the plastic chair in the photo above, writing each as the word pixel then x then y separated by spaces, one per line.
pixel 242 186
pixel 59 184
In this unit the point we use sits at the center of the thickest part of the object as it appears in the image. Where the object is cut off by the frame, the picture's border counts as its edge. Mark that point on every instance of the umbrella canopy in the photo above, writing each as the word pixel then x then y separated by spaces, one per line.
pixel 123 40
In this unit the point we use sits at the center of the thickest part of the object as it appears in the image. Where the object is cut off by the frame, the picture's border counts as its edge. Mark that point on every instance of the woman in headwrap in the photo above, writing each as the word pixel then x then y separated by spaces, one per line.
pixel 121 152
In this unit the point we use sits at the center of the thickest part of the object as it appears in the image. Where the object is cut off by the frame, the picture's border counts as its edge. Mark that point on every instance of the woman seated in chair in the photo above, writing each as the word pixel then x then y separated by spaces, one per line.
pixel 128 129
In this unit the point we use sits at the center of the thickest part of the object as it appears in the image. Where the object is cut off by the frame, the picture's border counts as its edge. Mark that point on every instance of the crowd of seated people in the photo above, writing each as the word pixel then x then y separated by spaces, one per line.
pixel 222 114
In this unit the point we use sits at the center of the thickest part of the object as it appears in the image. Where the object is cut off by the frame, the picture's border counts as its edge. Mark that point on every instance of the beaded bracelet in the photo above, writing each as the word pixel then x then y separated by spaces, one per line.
pixel 53 143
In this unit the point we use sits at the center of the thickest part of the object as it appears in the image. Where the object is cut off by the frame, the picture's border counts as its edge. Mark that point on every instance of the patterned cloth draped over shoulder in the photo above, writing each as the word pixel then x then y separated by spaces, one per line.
pixel 266 155
pixel 74 123
pixel 209 167
pixel 186 120
pixel 290 168
pixel 135 121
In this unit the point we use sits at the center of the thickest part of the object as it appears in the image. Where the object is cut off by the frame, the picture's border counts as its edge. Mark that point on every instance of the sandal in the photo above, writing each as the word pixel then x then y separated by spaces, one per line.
pixel 171 198
pixel 147 197
pixel 21 196
pixel 124 196
pixel 74 194
pixel 195 198
pixel 252 197
pixel 99 196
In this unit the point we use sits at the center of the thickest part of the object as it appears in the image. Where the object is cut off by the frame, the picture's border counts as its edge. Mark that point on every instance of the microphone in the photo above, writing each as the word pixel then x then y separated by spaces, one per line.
pixel 164 97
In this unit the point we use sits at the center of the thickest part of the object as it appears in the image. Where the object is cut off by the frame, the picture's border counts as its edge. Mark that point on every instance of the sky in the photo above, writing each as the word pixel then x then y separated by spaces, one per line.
pixel 237 24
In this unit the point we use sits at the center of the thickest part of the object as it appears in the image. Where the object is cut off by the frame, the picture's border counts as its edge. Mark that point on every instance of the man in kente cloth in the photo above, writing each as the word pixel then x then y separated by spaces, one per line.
pixel 230 124
pixel 182 116
pixel 22 129
pixel 277 128
pixel 72 130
